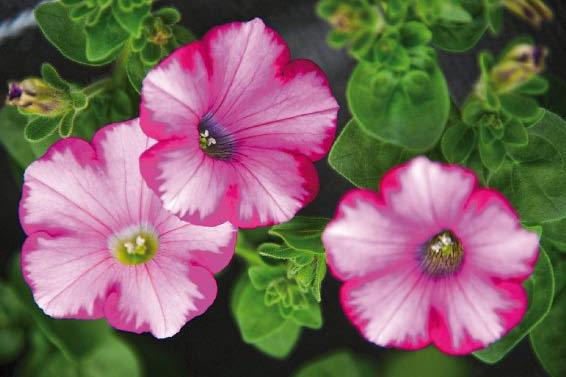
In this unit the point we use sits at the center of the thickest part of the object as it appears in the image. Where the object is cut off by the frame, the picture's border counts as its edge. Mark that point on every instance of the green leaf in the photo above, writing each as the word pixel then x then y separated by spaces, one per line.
pixel 310 316
pixel 415 33
pixel 522 107
pixel 169 15
pixel 12 342
pixel 66 35
pixel 319 275
pixel 426 363
pixel 536 86
pixel 182 34
pixel 256 320
pixel 492 154
pixel 12 125
pixel 40 128
pixel 534 182
pixel 105 38
pixel 555 97
pixel 547 339
pixel 396 117
pixel 515 133
pixel 459 36
pixel 111 358
pixel 302 233
pixel 280 343
pixel 540 287
pixel 338 364
pixel 458 141
pixel 262 276
pixel 131 21
pixel 362 159
pixel 150 54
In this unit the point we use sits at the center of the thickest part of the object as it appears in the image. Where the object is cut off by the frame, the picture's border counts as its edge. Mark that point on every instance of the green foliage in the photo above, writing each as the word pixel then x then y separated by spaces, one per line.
pixel 540 288
pixel 456 27
pixel 362 159
pixel 534 178
pixel 12 124
pixel 428 362
pixel 338 364
pixel 302 233
pixel 410 110
pixel 547 339
pixel 66 35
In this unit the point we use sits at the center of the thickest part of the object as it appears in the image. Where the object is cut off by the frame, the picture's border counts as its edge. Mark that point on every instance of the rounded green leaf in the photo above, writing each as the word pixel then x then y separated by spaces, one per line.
pixel 414 33
pixel 67 36
pixel 12 125
pixel 459 36
pixel 492 154
pixel 150 54
pixel 105 38
pixel 111 358
pixel 280 343
pixel 362 159
pixel 458 142
pixel 396 118
pixel 547 339
pixel 310 316
pixel 515 133
pixel 522 107
pixel 256 320
pixel 262 276
pixel 540 288
pixel 131 21
pixel 12 342
pixel 40 128
pixel 338 364
pixel 534 182
pixel 536 86
pixel 169 15
pixel 136 70
pixel 428 362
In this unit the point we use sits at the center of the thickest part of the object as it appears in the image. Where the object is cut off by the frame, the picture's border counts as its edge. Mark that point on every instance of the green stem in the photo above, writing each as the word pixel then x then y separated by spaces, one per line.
pixel 98 87
pixel 251 257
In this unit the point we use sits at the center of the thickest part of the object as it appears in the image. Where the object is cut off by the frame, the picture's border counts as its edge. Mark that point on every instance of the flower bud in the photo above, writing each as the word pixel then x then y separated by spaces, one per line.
pixel 35 96
pixel 518 66
pixel 532 11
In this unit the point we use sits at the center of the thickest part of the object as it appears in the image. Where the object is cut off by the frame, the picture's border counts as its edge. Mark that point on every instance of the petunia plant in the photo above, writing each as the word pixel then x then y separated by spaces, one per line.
pixel 140 187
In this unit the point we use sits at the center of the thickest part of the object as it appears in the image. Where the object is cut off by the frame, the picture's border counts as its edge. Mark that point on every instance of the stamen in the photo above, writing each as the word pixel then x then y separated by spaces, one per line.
pixel 133 247
pixel 442 255
pixel 215 141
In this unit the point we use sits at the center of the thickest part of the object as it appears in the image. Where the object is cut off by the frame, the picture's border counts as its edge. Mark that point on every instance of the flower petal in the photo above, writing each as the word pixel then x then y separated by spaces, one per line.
pixel 365 237
pixel 264 98
pixel 390 309
pixel 273 186
pixel 492 236
pixel 69 276
pixel 426 193
pixel 175 94
pixel 193 186
pixel 473 311
pixel 159 296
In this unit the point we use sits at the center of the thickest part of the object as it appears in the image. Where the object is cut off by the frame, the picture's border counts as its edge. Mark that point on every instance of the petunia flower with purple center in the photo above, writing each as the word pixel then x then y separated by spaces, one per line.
pixel 100 243
pixel 431 258
pixel 238 125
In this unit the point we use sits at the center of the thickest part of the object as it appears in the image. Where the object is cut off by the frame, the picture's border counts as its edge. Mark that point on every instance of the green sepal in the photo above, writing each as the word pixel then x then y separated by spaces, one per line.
pixel 67 124
pixel 515 133
pixel 40 128
pixel 169 15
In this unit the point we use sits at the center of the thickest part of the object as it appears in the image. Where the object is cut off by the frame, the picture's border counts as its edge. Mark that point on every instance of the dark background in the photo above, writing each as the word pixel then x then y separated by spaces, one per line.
pixel 211 345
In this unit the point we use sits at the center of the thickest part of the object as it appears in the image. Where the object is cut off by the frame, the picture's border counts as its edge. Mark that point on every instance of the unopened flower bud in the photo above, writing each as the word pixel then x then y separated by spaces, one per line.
pixel 518 66
pixel 532 11
pixel 35 96
pixel 345 19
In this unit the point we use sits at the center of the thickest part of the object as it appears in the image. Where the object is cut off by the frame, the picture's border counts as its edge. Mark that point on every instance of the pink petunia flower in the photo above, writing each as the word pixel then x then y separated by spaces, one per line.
pixel 101 245
pixel 431 258
pixel 238 126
